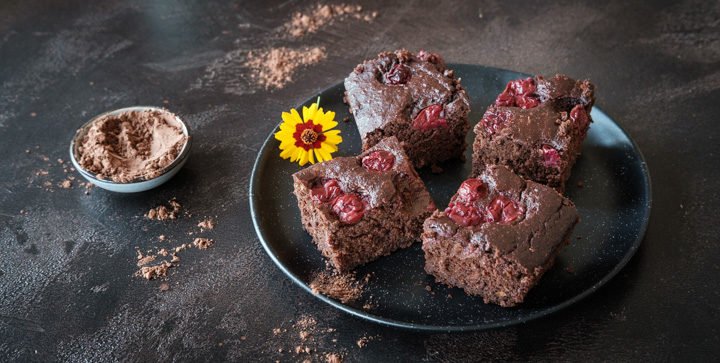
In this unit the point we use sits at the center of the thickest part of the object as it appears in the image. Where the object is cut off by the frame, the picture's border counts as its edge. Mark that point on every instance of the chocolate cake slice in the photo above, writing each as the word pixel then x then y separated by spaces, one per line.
pixel 360 208
pixel 413 97
pixel 536 127
pixel 498 236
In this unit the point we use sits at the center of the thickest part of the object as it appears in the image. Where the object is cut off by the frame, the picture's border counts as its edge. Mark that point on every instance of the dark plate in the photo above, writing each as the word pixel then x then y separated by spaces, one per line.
pixel 614 206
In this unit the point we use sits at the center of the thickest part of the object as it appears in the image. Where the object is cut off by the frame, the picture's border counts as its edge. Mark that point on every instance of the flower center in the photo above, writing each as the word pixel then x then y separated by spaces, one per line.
pixel 308 136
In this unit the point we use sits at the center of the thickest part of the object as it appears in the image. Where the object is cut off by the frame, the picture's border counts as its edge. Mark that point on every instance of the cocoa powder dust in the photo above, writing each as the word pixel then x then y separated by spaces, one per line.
pixel 130 146
pixel 276 67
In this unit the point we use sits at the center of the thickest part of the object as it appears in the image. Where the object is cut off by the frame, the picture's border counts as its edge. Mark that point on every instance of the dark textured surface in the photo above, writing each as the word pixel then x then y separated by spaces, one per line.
pixel 66 265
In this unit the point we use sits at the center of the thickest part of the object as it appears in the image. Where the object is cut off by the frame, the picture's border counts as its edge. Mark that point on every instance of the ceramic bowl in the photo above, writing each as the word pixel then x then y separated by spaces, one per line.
pixel 138 185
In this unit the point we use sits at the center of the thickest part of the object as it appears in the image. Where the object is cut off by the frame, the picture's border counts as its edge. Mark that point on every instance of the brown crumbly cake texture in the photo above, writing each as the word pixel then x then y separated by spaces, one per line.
pixel 536 127
pixel 360 208
pixel 413 97
pixel 498 236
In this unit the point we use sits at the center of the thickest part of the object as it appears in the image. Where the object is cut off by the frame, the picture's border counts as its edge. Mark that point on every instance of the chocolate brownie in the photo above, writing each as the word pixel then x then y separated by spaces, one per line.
pixel 413 97
pixel 536 127
pixel 360 208
pixel 498 235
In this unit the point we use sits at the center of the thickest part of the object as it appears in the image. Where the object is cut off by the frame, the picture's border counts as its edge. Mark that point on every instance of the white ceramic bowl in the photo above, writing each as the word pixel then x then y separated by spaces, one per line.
pixel 139 185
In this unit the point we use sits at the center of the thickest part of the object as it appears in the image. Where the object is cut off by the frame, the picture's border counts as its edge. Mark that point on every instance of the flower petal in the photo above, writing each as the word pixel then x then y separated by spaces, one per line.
pixel 303 157
pixel 296 154
pixel 333 139
pixel 309 112
pixel 329 148
pixel 286 153
pixel 325 155
pixel 310 156
pixel 328 121
pixel 291 118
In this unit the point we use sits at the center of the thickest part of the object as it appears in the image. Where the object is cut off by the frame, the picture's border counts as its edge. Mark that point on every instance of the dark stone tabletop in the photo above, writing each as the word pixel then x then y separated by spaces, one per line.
pixel 67 258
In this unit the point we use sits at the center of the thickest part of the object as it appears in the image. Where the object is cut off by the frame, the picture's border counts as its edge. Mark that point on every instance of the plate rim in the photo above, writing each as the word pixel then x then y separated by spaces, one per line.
pixel 452 328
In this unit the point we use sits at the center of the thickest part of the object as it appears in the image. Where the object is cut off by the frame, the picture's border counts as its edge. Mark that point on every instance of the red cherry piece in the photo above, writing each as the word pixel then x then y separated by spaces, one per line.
pixel 398 74
pixel 430 117
pixel 523 86
pixel 349 208
pixel 579 115
pixel 503 210
pixel 494 120
pixel 326 192
pixel 505 99
pixel 464 214
pixel 380 160
pixel 550 155
pixel 526 102
pixel 519 93
pixel 472 190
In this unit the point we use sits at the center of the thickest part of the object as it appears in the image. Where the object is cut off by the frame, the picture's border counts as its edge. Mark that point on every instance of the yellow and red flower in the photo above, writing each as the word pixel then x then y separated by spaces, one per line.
pixel 308 139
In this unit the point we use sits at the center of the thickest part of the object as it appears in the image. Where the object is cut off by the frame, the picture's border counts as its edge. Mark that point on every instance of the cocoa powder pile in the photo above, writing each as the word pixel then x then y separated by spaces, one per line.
pixel 275 67
pixel 131 146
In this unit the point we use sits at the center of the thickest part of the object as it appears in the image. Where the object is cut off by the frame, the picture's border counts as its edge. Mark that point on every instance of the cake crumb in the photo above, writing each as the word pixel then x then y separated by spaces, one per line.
pixel 304 335
pixel 207 223
pixel 153 272
pixel 339 286
pixel 144 260
pixel 161 237
pixel 276 331
pixel 362 342
pixel 306 322
pixel 65 184
pixel 203 243
pixel 162 212
pixel 164 286
pixel 333 358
